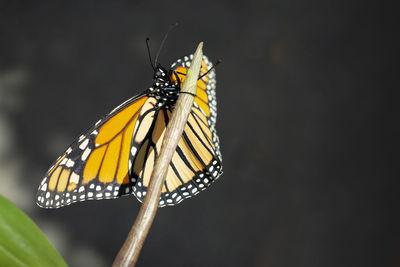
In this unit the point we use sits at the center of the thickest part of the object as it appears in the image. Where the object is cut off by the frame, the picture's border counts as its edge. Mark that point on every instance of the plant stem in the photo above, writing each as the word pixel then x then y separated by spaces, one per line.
pixel 129 253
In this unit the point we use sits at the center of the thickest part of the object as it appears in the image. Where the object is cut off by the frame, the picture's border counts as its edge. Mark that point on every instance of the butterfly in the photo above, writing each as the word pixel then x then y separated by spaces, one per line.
pixel 116 156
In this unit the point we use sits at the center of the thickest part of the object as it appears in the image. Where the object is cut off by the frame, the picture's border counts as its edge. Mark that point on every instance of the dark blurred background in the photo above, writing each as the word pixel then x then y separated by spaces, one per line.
pixel 308 118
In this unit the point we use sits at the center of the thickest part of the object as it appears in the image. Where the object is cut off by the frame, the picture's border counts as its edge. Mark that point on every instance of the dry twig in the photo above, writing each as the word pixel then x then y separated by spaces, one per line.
pixel 129 253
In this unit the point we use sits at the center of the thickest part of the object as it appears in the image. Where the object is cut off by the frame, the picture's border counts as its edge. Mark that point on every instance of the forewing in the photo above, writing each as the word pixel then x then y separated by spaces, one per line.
pixel 95 166
pixel 206 98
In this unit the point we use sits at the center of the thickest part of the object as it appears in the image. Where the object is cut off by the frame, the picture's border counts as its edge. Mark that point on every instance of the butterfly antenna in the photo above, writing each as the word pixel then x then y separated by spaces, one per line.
pixel 213 66
pixel 148 52
pixel 163 41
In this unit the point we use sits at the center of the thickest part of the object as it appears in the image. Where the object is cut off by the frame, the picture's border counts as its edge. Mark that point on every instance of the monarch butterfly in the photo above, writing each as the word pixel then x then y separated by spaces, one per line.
pixel 116 156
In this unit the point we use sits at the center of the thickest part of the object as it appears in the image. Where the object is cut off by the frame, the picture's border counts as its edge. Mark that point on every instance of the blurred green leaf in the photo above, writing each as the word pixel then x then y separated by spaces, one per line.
pixel 21 241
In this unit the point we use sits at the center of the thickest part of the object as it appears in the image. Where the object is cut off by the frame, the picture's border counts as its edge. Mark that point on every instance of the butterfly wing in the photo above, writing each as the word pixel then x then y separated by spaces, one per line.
pixel 95 166
pixel 116 156
pixel 206 99
pixel 197 160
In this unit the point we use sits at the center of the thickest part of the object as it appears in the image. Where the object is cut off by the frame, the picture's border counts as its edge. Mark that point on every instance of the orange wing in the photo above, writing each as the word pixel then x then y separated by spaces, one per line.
pixel 95 166
pixel 117 155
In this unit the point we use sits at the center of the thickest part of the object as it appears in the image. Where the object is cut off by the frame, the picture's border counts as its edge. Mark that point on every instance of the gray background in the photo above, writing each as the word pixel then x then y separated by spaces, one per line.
pixel 308 118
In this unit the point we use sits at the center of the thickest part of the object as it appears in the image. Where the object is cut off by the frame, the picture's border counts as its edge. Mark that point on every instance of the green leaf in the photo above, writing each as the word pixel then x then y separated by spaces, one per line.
pixel 21 241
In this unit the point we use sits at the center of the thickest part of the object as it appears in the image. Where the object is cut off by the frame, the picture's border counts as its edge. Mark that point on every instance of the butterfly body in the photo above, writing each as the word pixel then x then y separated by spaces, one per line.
pixel 116 156
pixel 164 89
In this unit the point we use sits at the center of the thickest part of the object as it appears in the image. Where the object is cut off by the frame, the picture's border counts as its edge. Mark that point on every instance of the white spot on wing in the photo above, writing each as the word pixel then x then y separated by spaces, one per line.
pixel 133 151
pixel 84 144
pixel 85 154
pixel 74 178
pixel 70 163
